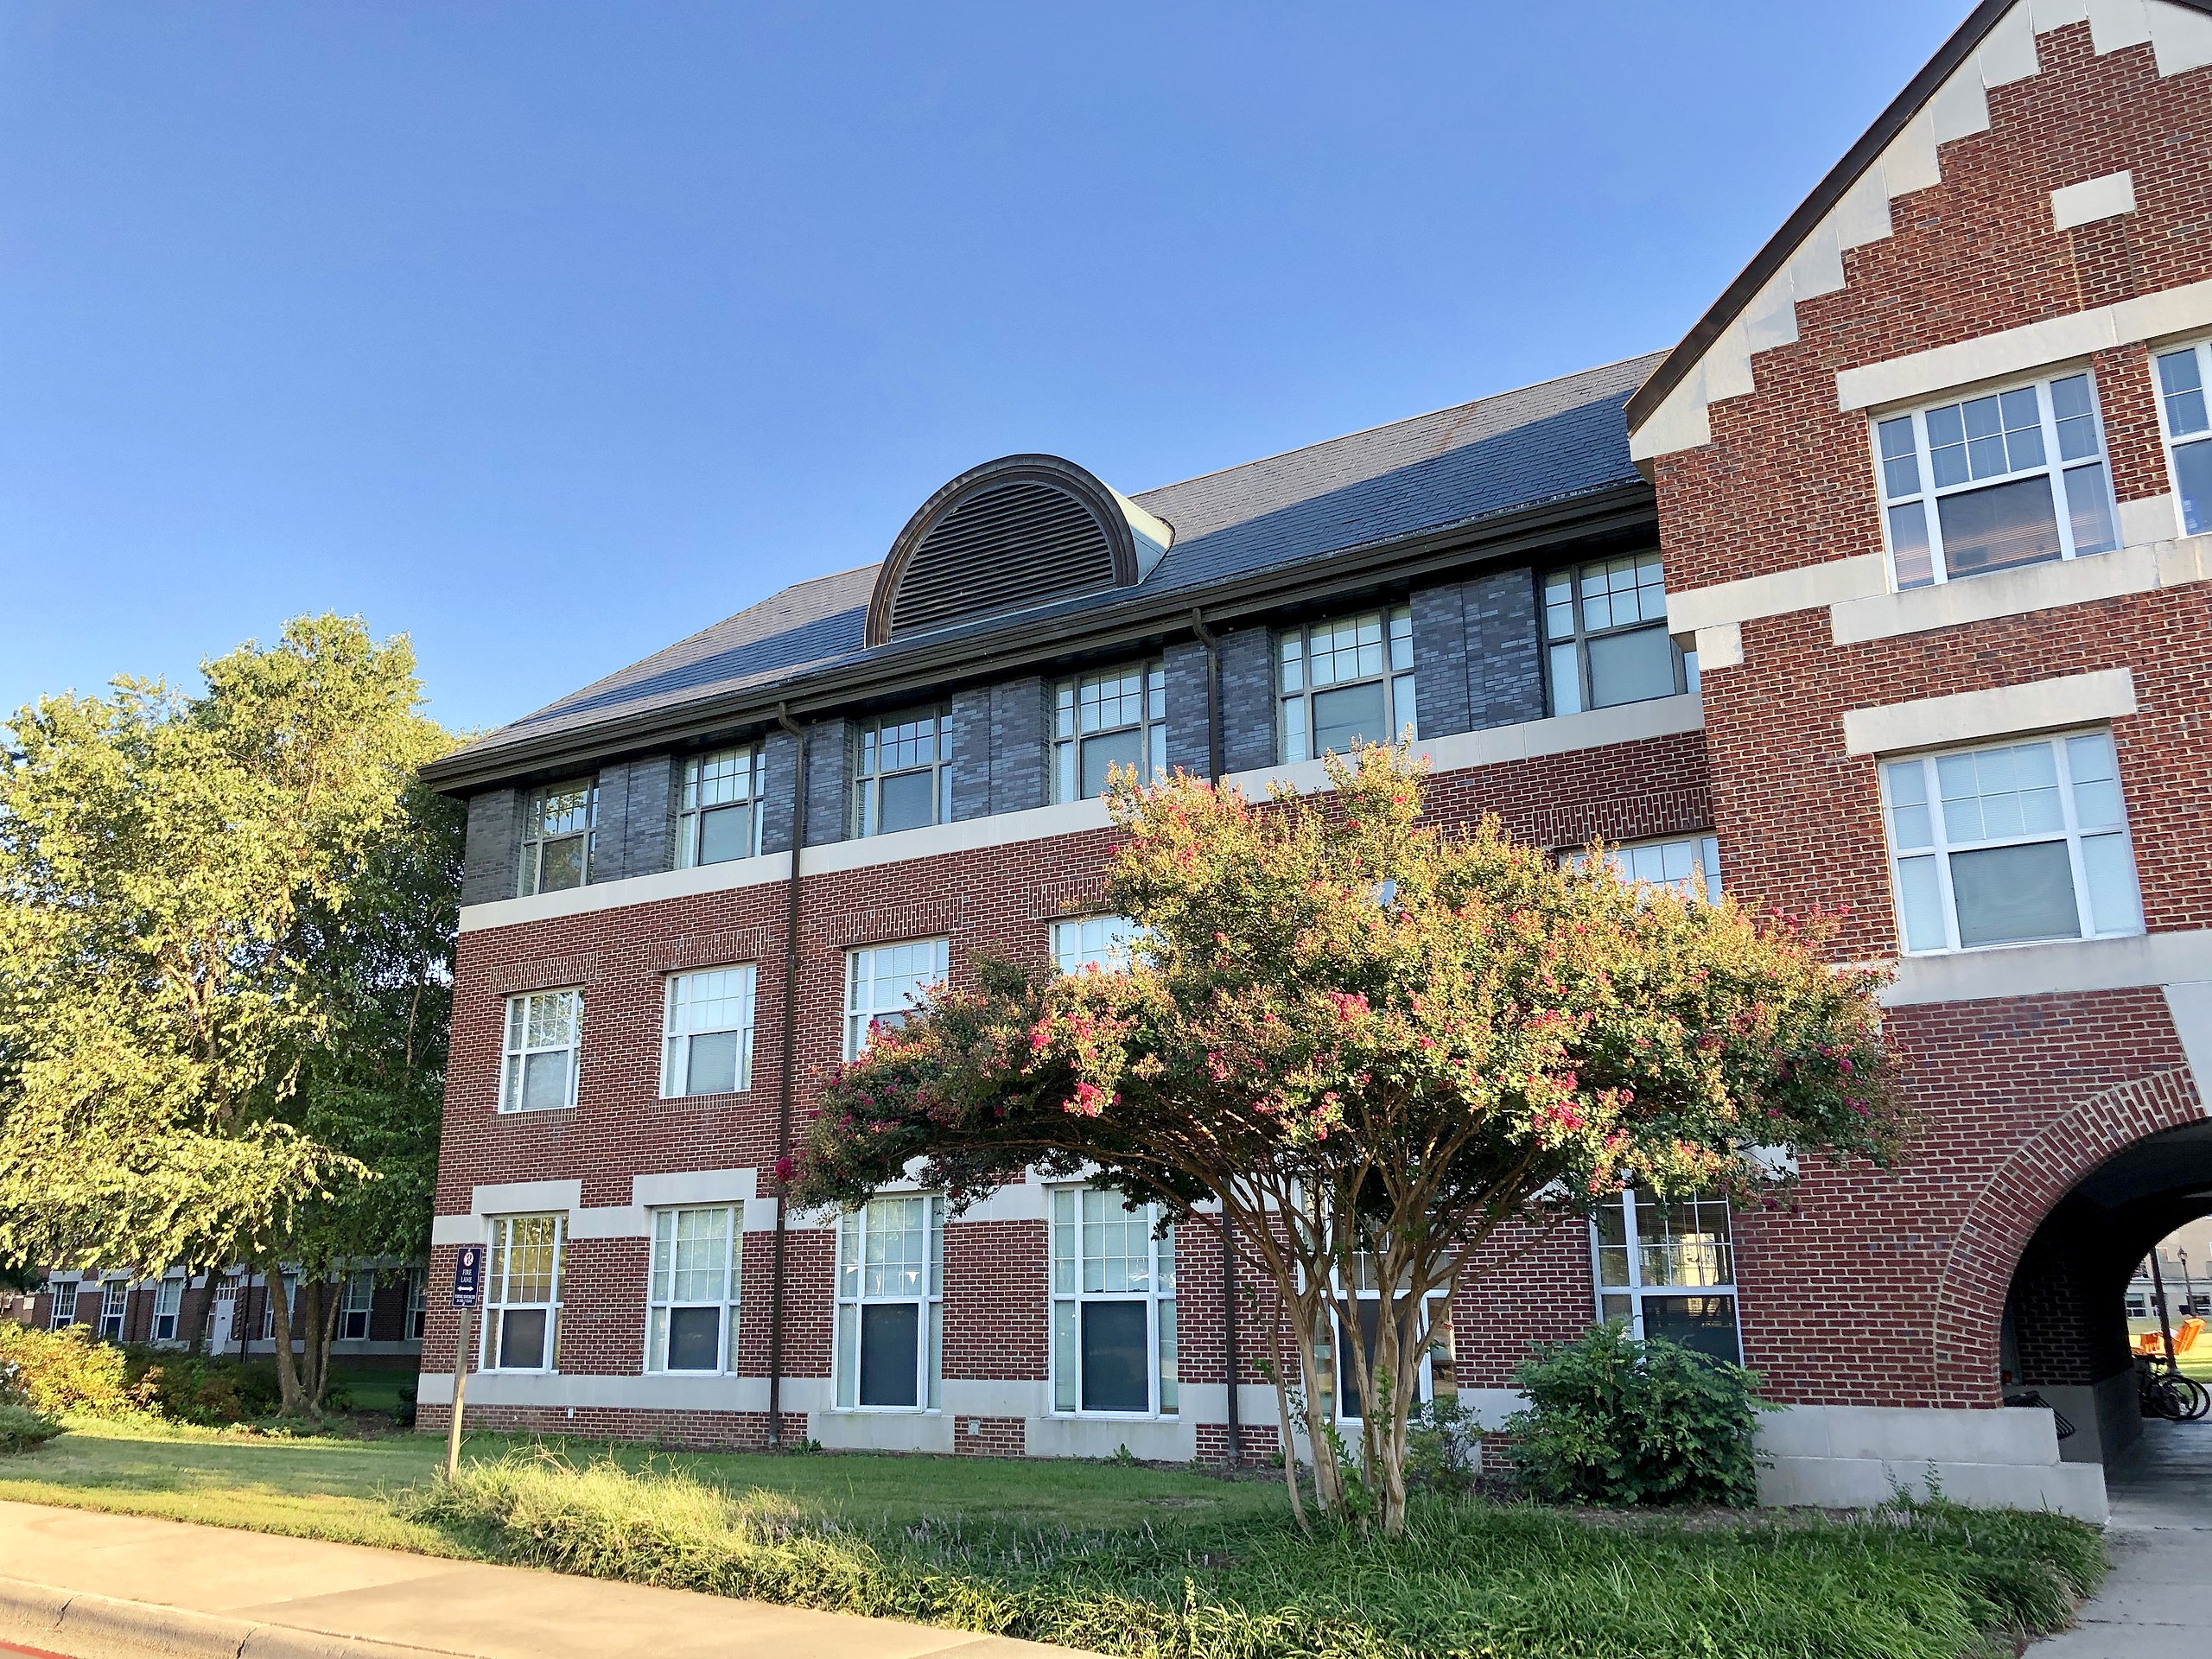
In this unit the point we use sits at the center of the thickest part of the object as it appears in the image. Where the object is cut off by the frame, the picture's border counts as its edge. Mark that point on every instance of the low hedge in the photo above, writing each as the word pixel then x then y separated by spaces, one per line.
pixel 1470 1581
pixel 69 1369
pixel 23 1429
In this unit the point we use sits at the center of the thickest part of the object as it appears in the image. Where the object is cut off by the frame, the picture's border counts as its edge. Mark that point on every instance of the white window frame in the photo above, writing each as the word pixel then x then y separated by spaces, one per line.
pixel 1568 606
pixel 681 1001
pixel 61 1310
pixel 1381 642
pixel 1107 943
pixel 579 822
pixel 1671 862
pixel 115 1309
pixel 2195 439
pixel 853 1296
pixel 721 781
pixel 500 1282
pixel 1625 1300
pixel 1098 705
pixel 168 1306
pixel 1885 433
pixel 517 1048
pixel 1075 1213
pixel 1940 847
pixel 873 736
pixel 357 1300
pixel 874 973
pixel 664 1278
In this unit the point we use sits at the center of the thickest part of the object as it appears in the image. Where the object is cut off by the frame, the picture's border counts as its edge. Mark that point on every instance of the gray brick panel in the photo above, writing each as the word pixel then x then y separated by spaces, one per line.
pixel 1444 657
pixel 1017 744
pixel 488 869
pixel 1506 662
pixel 649 833
pixel 1248 699
pixel 829 765
pixel 1186 662
pixel 778 778
pixel 971 752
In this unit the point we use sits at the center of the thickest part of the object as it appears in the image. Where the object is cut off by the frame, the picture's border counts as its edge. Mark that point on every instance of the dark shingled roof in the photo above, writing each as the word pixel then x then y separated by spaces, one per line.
pixel 1534 447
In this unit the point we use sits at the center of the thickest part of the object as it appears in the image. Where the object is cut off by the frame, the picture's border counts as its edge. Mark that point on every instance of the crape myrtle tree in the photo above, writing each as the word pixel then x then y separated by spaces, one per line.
pixel 1372 1046
pixel 224 931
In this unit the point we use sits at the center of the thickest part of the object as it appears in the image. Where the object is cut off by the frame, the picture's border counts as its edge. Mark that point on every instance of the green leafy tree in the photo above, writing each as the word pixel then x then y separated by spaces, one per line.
pixel 223 925
pixel 1374 1045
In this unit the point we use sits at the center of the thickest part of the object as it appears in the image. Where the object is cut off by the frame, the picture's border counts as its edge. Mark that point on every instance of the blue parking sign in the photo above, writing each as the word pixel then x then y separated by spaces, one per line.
pixel 467 1274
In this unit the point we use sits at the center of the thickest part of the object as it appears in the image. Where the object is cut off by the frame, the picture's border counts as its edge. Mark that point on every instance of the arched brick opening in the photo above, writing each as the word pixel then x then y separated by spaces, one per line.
pixel 1994 1235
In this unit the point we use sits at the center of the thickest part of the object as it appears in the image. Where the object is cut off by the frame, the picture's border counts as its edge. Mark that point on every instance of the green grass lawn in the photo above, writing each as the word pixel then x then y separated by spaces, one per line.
pixel 1119 1559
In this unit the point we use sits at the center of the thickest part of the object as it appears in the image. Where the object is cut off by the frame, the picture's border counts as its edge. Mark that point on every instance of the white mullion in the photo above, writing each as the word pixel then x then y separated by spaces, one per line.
pixel 1940 832
pixel 2085 912
pixel 1939 556
pixel 2061 503
pixel 1632 1234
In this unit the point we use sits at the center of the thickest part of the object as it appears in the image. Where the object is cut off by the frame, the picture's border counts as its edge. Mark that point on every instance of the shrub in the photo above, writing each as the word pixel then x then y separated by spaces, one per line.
pixel 193 1389
pixel 1444 1447
pixel 69 1369
pixel 23 1429
pixel 1614 1420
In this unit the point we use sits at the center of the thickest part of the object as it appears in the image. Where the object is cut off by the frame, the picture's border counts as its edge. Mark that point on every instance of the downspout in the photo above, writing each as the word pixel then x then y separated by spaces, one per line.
pixel 1233 1431
pixel 790 1048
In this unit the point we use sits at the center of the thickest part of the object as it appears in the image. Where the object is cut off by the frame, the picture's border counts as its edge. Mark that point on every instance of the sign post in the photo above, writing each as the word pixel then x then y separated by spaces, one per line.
pixel 468 1286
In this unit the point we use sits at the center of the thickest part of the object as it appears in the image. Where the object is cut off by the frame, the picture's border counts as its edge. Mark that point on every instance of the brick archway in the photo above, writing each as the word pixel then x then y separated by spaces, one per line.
pixel 1977 1271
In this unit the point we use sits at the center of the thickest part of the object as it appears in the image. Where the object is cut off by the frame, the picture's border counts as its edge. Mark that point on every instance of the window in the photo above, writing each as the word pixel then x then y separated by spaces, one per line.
pixel 1100 941
pixel 1335 1361
pixel 903 775
pixel 557 835
pixel 883 981
pixel 2010 478
pixel 891 1305
pixel 692 1322
pixel 1116 718
pixel 2182 377
pixel 65 1303
pixel 1668 1268
pixel 1677 863
pixel 2010 844
pixel 522 1294
pixel 290 1293
pixel 708 1046
pixel 2139 1308
pixel 115 1305
pixel 169 1303
pixel 718 817
pixel 1606 639
pixel 1342 683
pixel 418 1301
pixel 544 1037
pixel 1112 1306
pixel 357 1301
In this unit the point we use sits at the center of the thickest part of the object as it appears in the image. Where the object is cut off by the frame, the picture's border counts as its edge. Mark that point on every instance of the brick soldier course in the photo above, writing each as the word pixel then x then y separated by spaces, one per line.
pixel 2036 206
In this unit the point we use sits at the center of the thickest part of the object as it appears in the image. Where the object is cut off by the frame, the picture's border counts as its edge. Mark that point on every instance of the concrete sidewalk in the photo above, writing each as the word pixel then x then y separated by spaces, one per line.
pixel 2156 1604
pixel 75 1582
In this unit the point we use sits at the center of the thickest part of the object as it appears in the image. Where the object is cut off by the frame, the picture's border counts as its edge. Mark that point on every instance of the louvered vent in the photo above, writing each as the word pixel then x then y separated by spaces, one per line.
pixel 1013 533
pixel 1003 548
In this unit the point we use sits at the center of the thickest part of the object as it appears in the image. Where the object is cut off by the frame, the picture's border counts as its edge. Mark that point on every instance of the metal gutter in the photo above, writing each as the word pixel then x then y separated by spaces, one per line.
pixel 925 668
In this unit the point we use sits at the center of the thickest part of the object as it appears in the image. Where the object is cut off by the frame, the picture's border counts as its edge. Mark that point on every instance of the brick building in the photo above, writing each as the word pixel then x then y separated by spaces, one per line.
pixel 1886 586
pixel 380 1312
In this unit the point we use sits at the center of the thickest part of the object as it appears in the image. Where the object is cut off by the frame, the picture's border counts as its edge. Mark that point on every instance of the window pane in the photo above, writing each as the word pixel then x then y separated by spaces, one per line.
pixel 1567 681
pixel 1115 1371
pixel 713 1069
pixel 1994 529
pixel 2089 510
pixel 1630 667
pixel 2193 474
pixel 2096 781
pixel 1705 1324
pixel 1916 566
pixel 2182 385
pixel 2114 904
pixel 545 1080
pixel 1122 749
pixel 890 1353
pixel 695 1338
pixel 1348 716
pixel 1559 605
pixel 725 833
pixel 1900 464
pixel 909 802
pixel 2075 413
pixel 561 864
pixel 521 1339
pixel 1920 903
pixel 2009 894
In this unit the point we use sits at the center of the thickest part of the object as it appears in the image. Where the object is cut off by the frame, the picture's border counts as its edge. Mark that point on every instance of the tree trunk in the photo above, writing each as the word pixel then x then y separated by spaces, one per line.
pixel 291 1398
pixel 328 1333
pixel 1287 1428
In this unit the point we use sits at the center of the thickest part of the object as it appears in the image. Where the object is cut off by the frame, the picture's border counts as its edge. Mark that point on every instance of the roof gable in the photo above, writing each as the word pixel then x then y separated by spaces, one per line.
pixel 1898 155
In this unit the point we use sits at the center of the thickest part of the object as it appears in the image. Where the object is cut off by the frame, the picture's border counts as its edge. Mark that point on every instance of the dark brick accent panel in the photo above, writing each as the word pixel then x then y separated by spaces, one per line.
pixel 829 766
pixel 1186 665
pixel 1248 699
pixel 489 871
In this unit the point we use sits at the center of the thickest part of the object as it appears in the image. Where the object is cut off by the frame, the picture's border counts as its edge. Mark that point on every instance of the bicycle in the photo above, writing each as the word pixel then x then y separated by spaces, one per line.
pixel 2164 1392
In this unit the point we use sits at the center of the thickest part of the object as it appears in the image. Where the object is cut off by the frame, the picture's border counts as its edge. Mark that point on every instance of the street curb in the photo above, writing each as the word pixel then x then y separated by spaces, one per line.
pixel 146 1627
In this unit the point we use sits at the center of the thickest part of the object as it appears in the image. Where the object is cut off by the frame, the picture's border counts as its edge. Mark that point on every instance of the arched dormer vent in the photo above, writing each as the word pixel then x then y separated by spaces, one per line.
pixel 1008 536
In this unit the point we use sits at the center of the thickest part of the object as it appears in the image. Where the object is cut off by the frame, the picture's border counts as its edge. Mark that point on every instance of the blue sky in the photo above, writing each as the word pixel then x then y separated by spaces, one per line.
pixel 549 333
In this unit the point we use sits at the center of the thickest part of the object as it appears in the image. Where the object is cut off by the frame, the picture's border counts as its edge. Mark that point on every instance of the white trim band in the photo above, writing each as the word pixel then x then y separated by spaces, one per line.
pixel 2040 705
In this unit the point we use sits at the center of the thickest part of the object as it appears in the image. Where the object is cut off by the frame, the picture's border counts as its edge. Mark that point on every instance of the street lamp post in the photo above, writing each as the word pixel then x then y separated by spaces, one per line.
pixel 2187 1285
